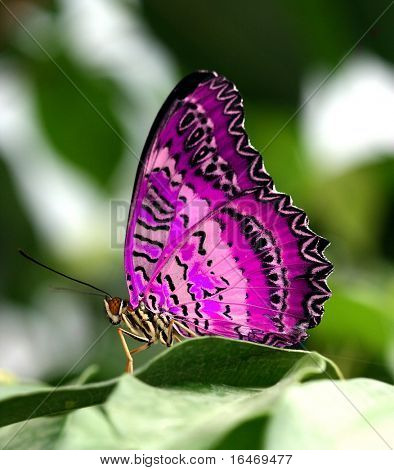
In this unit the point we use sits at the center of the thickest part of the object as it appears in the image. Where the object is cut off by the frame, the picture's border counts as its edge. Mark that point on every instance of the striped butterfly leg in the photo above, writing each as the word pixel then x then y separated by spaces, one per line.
pixel 172 334
pixel 130 352
pixel 166 334
pixel 181 326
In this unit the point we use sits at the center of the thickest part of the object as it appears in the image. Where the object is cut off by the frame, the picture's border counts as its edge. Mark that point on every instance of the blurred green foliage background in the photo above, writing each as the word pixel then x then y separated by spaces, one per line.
pixel 80 84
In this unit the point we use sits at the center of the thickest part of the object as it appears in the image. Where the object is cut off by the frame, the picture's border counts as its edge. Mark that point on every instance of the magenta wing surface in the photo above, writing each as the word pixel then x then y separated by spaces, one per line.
pixel 209 239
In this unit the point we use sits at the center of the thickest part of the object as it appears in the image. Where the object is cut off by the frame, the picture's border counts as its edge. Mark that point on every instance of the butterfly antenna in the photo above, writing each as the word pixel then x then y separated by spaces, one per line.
pixel 25 255
pixel 74 291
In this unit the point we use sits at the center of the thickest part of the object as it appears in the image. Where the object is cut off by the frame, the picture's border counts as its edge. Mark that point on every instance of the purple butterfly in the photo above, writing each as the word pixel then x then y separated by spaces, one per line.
pixel 211 247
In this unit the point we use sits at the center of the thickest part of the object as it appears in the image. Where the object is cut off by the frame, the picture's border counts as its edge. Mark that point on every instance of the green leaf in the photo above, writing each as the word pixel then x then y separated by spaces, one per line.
pixel 21 402
pixel 219 361
pixel 353 414
pixel 191 396
pixel 200 417
pixel 35 434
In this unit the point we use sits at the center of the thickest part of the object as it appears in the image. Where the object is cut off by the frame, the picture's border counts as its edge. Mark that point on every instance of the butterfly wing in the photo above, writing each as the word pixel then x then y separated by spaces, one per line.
pixel 210 240
pixel 187 139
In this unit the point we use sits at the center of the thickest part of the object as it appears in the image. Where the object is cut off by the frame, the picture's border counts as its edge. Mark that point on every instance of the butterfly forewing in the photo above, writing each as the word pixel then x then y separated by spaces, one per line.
pixel 209 240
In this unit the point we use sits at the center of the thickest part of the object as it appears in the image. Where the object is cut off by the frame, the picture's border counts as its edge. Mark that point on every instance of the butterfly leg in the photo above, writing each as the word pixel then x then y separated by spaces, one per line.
pixel 129 367
pixel 170 333
pixel 184 328
pixel 129 352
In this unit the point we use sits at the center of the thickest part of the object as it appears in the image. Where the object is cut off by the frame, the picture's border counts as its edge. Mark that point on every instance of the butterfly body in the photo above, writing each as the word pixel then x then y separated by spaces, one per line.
pixel 149 327
pixel 143 325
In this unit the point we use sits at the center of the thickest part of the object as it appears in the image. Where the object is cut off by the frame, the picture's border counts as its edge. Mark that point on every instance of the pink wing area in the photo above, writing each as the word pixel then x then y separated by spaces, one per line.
pixel 209 240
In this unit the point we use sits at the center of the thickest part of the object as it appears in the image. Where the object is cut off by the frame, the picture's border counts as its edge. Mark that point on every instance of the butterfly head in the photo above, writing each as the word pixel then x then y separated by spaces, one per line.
pixel 115 307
